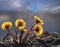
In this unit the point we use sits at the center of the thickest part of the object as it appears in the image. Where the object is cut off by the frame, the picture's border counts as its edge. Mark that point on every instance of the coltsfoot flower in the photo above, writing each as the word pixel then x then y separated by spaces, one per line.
pixel 38 20
pixel 6 25
pixel 24 30
pixel 38 30
pixel 20 23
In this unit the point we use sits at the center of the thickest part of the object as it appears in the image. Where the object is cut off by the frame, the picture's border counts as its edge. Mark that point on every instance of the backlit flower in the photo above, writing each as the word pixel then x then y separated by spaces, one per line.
pixel 20 23
pixel 38 20
pixel 6 25
pixel 38 30
pixel 24 30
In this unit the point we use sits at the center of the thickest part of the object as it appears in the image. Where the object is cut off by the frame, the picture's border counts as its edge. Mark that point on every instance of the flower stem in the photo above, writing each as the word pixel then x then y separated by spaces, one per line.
pixel 11 33
pixel 21 34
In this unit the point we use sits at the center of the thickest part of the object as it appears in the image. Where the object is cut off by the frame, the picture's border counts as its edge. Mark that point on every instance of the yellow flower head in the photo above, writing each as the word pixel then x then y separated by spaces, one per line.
pixel 20 23
pixel 38 20
pixel 24 30
pixel 38 30
pixel 6 25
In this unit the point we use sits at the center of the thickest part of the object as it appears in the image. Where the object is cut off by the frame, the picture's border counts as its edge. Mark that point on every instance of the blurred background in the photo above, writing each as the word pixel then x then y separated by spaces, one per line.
pixel 47 10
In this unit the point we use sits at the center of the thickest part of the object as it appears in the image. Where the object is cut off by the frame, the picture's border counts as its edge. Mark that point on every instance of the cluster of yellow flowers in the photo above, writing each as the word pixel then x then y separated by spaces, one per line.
pixel 20 24
pixel 38 29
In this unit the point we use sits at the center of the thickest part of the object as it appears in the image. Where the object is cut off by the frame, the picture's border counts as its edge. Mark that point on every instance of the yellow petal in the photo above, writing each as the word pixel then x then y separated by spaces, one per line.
pixel 6 25
pixel 38 20
pixel 38 30
pixel 24 30
pixel 20 23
